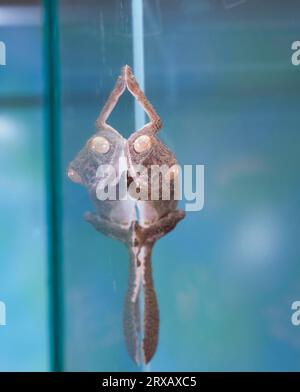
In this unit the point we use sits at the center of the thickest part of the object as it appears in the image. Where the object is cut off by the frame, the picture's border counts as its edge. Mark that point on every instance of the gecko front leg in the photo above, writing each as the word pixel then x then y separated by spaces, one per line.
pixel 131 83
pixel 150 234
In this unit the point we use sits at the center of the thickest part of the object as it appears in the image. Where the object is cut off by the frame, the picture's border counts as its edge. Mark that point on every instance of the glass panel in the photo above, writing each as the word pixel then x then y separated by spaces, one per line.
pixel 23 279
pixel 220 75
pixel 93 47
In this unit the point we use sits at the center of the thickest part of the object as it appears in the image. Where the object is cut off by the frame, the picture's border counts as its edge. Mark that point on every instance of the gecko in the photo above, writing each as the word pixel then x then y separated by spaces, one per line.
pixel 137 221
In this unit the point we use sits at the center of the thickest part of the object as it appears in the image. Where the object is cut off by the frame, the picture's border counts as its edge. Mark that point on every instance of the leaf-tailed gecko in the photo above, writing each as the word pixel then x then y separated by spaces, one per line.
pixel 136 221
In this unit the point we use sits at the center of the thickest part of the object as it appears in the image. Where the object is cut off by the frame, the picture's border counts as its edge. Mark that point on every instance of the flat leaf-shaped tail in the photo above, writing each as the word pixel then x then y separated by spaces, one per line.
pixel 141 315
pixel 151 311
pixel 132 311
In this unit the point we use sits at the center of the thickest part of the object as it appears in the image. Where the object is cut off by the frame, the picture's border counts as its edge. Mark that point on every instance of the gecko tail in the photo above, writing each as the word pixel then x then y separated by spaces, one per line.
pixel 132 311
pixel 151 309
pixel 141 314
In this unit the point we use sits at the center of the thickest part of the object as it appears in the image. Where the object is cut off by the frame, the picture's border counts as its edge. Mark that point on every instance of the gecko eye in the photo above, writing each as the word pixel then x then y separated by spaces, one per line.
pixel 142 143
pixel 100 145
pixel 74 176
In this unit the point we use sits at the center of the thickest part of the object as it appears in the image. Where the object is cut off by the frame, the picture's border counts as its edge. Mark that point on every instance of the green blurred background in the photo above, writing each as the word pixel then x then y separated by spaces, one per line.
pixel 219 73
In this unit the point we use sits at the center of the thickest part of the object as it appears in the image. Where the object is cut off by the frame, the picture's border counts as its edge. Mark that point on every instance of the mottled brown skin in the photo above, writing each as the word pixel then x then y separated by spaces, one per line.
pixel 117 219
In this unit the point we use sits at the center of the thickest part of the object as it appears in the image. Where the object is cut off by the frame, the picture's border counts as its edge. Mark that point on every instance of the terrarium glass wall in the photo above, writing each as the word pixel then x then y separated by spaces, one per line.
pixel 92 51
pixel 220 75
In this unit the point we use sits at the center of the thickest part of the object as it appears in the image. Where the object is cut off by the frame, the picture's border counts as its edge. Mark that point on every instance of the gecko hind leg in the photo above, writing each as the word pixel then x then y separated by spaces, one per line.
pixel 107 227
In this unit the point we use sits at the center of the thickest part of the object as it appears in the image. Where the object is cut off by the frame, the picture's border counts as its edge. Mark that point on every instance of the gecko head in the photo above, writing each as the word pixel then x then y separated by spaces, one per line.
pixel 103 149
